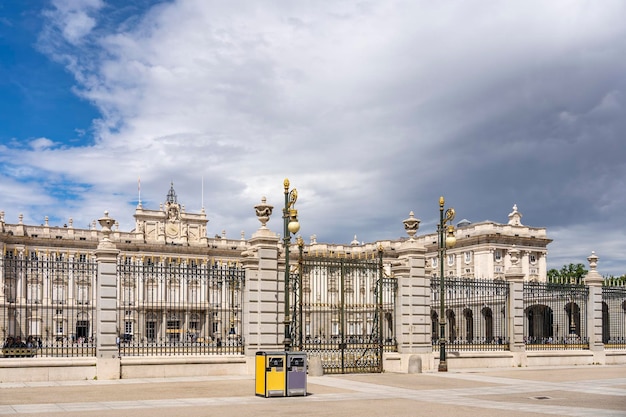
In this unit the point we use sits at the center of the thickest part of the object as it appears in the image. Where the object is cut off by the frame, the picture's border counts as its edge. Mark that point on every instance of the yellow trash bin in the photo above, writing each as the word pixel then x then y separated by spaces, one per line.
pixel 270 374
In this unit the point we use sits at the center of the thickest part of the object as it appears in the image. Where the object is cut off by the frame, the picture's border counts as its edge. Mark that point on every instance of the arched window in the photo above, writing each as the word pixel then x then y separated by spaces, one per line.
pixel 451 317
pixel 540 319
pixel 488 318
pixel 434 320
pixel 469 325
pixel 573 318
pixel 606 324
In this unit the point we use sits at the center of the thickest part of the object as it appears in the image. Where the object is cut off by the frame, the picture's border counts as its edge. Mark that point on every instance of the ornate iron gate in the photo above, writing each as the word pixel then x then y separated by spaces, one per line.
pixel 339 309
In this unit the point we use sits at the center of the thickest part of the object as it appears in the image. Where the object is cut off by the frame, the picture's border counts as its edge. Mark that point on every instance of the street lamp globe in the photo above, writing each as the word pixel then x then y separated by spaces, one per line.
pixel 450 238
pixel 294 227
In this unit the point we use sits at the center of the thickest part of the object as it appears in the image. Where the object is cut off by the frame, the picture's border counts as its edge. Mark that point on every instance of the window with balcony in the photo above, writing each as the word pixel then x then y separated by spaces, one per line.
pixel 82 296
pixel 468 257
pixel 58 293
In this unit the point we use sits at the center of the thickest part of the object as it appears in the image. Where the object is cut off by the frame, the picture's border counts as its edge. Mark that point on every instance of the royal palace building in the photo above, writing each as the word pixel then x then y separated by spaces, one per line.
pixel 175 284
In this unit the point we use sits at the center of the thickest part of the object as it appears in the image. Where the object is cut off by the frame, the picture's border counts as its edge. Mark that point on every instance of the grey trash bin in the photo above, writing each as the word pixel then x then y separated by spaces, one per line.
pixel 296 374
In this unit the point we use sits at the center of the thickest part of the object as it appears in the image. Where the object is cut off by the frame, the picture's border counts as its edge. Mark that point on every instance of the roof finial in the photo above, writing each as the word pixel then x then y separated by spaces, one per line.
pixel 515 217
pixel 171 195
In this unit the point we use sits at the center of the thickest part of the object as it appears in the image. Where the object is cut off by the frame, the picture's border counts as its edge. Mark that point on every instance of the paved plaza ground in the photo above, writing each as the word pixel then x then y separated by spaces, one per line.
pixel 594 391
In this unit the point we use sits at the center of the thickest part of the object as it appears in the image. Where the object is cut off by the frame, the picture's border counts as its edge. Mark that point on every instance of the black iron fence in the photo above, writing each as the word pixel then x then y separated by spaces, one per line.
pixel 475 313
pixel 48 308
pixel 344 308
pixel 614 316
pixel 555 316
pixel 172 306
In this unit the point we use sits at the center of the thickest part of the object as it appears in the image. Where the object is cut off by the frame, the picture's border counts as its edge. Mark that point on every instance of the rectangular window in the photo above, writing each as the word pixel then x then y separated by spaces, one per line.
pixel 58 293
pixel 497 255
pixel 450 260
pixel 533 258
pixel 151 331
pixel 173 293
pixel 193 294
pixel 34 291
pixel 129 295
pixel 34 327
pixel 151 293
pixel 83 294
pixel 82 329
pixel 10 290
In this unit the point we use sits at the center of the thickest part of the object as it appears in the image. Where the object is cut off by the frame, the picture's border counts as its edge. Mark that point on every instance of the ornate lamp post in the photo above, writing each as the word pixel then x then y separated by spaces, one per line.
pixel 291 225
pixel 449 242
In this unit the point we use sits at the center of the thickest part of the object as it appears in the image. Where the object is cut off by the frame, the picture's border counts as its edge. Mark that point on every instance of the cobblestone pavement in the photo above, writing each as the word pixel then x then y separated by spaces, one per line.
pixel 594 391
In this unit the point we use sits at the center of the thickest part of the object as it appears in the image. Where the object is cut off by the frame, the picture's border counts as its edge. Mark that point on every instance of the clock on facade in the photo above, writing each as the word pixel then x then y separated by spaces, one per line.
pixel 172 230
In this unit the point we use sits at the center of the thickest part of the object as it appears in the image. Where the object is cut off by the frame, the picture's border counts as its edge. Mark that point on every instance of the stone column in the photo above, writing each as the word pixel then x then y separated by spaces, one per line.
pixel 515 309
pixel 593 280
pixel 264 288
pixel 107 352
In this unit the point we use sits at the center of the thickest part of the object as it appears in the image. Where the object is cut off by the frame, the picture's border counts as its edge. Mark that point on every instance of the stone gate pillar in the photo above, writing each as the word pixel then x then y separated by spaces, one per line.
pixel 594 280
pixel 412 320
pixel 107 352
pixel 515 310
pixel 264 289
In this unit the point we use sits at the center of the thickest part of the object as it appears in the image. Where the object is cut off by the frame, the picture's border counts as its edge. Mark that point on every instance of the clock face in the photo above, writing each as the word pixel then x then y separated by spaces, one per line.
pixel 172 230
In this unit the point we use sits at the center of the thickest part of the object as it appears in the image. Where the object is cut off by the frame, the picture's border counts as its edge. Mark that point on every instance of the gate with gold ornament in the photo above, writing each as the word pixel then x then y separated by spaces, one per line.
pixel 343 311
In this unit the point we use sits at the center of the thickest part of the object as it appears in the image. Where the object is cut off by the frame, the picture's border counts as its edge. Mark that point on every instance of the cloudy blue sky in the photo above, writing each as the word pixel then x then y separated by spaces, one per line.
pixel 372 109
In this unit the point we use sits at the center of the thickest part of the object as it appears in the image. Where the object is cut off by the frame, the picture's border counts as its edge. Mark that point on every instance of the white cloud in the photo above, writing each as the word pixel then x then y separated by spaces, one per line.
pixel 75 17
pixel 40 144
pixel 372 109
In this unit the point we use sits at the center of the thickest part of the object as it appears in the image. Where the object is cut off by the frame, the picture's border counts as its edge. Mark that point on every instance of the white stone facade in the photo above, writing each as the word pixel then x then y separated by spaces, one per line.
pixel 482 249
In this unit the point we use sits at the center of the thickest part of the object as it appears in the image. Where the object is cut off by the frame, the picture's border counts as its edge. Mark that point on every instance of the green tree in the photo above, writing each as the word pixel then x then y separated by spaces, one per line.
pixel 613 281
pixel 568 274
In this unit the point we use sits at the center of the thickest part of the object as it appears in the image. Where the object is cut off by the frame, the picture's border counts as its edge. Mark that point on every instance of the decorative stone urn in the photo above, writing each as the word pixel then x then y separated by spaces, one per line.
pixel 411 225
pixel 263 212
